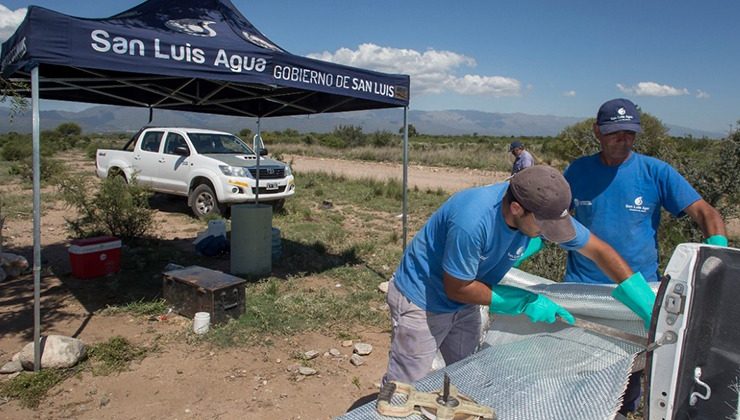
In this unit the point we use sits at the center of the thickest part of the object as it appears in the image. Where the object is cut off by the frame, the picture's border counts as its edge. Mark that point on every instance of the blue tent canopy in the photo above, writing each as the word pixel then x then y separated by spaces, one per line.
pixel 189 55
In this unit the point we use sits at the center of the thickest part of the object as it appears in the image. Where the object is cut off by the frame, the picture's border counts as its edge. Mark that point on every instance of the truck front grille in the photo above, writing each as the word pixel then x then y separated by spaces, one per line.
pixel 268 172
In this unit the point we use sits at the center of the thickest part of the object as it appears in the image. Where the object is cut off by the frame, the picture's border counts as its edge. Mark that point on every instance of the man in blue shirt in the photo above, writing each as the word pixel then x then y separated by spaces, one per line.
pixel 522 158
pixel 455 262
pixel 618 195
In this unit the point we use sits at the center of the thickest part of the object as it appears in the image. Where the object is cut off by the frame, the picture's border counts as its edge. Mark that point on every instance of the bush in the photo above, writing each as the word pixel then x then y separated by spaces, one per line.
pixel 116 208
pixel 49 169
pixel 17 148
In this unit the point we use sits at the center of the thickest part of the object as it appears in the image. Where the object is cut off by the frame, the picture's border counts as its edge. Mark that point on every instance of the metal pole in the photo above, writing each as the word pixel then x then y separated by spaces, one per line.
pixel 405 172
pixel 256 147
pixel 36 221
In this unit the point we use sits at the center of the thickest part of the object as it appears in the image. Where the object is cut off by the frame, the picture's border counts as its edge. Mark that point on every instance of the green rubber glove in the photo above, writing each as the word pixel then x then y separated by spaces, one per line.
pixel 718 240
pixel 635 294
pixel 514 301
pixel 534 246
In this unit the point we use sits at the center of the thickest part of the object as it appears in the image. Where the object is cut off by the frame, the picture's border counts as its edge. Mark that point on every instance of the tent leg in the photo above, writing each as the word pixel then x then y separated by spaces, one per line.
pixel 36 221
pixel 405 173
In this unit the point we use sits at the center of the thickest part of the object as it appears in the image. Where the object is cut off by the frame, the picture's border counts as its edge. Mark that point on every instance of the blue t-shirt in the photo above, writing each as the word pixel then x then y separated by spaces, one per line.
pixel 621 205
pixel 468 238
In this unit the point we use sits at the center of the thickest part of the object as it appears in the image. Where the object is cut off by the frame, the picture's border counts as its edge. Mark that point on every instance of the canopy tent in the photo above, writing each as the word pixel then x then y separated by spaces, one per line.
pixel 190 55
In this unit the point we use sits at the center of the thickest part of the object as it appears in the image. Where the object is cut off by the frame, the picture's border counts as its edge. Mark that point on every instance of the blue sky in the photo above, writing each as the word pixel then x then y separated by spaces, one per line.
pixel 677 59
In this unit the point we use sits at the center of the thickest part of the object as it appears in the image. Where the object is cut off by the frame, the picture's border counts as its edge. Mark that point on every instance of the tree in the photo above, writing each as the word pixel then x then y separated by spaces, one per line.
pixel 245 134
pixel 9 90
pixel 69 129
pixel 412 131
pixel 349 135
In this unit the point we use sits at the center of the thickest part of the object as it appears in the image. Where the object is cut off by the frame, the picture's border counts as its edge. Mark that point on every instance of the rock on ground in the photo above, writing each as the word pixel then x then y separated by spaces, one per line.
pixel 57 351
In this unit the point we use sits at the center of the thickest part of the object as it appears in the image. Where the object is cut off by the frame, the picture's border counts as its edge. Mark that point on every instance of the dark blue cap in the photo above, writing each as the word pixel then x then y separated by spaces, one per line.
pixel 618 115
pixel 514 145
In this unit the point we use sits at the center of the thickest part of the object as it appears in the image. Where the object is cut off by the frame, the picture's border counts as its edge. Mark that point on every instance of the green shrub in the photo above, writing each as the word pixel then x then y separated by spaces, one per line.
pixel 49 168
pixel 17 148
pixel 116 208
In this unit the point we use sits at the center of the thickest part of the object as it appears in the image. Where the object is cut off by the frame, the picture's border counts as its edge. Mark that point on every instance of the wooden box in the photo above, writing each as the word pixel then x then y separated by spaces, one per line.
pixel 198 289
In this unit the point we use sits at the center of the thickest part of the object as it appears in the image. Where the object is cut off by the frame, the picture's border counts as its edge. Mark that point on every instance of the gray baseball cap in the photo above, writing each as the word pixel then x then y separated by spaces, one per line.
pixel 544 191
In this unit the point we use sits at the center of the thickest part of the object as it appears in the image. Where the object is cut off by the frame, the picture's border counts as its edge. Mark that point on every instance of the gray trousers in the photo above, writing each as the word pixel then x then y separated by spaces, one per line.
pixel 418 334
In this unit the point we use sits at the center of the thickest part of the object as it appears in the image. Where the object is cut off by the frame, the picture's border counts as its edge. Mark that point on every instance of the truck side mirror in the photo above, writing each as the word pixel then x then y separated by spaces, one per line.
pixel 182 151
pixel 263 152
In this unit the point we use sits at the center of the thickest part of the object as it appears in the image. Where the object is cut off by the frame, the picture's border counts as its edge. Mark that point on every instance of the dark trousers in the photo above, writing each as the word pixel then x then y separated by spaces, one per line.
pixel 632 394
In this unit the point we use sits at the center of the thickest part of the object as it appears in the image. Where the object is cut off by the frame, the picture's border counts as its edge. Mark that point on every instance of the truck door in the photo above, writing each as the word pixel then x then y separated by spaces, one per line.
pixel 146 157
pixel 174 168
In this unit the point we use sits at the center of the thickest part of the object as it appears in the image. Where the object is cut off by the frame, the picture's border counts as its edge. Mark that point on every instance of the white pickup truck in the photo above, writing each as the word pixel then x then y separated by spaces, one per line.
pixel 212 169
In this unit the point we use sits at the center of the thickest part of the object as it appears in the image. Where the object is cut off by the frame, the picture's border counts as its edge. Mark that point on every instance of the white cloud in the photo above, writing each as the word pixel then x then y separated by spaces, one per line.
pixel 570 93
pixel 9 21
pixel 431 71
pixel 702 95
pixel 652 89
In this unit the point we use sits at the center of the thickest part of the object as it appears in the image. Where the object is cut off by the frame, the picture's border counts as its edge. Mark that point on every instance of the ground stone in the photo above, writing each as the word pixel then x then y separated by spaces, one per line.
pixel 11 367
pixel 306 371
pixel 57 351
pixel 311 354
pixel 357 360
pixel 383 287
pixel 363 349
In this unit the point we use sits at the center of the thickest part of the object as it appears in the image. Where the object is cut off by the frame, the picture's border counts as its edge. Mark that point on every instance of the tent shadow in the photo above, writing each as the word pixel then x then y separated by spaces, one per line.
pixel 139 280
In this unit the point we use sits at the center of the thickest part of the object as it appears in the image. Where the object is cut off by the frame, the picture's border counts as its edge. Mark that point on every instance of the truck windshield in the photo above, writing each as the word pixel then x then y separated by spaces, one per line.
pixel 206 143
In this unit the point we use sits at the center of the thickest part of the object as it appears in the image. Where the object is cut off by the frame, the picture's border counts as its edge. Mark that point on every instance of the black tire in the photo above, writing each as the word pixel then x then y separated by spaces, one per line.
pixel 204 202
pixel 277 205
pixel 117 173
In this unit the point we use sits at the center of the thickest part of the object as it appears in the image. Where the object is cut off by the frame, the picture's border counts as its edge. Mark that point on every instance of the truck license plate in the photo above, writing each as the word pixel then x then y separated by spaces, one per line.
pixel 272 185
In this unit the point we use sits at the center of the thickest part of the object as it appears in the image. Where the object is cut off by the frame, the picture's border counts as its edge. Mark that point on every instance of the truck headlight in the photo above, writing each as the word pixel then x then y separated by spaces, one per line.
pixel 288 171
pixel 235 171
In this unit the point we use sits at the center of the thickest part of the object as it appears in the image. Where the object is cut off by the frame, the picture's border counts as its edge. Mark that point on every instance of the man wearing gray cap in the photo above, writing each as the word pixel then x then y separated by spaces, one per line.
pixel 455 262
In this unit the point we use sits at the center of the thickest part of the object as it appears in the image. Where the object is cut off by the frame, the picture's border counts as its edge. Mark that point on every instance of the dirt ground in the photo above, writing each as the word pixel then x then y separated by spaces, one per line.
pixel 183 380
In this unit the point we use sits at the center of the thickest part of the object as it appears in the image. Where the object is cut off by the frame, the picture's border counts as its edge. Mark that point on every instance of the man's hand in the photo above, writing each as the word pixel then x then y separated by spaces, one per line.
pixel 719 240
pixel 635 293
pixel 514 301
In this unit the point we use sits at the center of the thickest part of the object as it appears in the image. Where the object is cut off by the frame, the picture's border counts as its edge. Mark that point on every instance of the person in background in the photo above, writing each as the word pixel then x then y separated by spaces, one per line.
pixel 618 195
pixel 522 158
pixel 455 262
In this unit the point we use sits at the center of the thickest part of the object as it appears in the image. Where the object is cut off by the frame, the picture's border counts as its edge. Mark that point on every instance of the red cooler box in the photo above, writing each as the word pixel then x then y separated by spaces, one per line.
pixel 95 257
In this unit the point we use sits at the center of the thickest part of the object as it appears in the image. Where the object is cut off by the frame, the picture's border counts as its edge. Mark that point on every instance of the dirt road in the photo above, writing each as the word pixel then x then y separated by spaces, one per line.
pixel 423 177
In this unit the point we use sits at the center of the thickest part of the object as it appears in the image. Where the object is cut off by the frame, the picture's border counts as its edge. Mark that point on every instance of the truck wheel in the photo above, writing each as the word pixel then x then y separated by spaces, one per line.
pixel 204 201
pixel 117 173
pixel 277 205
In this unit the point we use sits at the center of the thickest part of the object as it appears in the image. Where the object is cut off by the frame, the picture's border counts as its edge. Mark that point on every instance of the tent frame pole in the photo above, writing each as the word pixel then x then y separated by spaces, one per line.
pixel 405 173
pixel 36 221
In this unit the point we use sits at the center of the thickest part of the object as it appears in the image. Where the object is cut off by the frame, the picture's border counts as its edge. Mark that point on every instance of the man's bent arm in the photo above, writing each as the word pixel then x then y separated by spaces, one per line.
pixel 606 258
pixel 707 217
pixel 474 291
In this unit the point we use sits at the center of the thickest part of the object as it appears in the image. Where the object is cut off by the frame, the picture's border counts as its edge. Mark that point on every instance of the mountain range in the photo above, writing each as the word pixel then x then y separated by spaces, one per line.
pixel 102 118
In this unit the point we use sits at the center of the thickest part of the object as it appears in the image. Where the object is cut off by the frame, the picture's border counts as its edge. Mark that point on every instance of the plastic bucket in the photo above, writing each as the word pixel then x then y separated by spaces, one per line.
pixel 201 322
